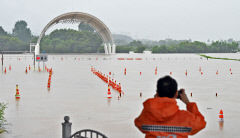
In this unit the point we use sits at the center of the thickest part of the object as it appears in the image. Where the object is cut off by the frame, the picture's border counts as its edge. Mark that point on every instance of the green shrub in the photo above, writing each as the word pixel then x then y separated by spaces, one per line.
pixel 2 119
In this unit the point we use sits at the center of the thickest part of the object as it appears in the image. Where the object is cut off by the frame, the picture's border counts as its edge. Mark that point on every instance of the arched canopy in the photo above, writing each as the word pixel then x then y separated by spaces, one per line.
pixel 74 17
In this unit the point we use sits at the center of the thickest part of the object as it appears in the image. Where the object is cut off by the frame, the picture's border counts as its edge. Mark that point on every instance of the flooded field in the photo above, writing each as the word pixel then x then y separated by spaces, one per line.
pixel 75 91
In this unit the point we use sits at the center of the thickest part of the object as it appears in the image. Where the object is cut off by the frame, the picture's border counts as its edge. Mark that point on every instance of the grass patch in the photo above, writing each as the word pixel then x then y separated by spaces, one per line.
pixel 202 55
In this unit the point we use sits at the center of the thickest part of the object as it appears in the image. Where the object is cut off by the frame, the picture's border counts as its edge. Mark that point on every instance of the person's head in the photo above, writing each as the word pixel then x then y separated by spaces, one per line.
pixel 167 87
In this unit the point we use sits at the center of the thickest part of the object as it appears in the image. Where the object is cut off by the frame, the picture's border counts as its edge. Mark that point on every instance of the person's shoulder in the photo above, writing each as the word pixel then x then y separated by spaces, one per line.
pixel 184 114
pixel 148 100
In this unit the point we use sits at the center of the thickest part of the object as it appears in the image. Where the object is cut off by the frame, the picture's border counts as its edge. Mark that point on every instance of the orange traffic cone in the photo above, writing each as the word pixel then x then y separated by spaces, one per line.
pixel 221 115
pixel 17 95
pixel 109 93
pixel 26 71
pixel 29 67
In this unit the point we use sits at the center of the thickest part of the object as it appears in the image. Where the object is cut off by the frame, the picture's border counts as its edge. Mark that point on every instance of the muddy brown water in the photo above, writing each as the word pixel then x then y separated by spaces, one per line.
pixel 76 92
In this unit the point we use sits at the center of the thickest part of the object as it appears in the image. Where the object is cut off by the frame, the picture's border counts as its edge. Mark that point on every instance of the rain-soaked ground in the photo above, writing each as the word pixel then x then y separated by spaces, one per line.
pixel 76 92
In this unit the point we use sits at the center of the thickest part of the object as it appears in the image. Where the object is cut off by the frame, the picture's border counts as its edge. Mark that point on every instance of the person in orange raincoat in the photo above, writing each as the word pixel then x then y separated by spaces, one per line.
pixel 161 117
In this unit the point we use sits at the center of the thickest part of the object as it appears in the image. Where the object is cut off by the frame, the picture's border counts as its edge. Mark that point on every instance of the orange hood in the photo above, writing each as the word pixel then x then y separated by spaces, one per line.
pixel 160 108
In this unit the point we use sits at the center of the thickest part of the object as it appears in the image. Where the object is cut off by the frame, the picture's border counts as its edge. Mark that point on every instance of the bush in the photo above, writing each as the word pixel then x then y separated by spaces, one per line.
pixel 2 119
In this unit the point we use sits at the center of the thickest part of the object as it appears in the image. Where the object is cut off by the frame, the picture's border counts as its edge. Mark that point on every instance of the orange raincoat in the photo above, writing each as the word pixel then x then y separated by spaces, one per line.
pixel 161 118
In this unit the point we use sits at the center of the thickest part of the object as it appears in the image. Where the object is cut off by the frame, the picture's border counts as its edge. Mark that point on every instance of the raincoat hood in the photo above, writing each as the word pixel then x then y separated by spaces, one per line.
pixel 161 108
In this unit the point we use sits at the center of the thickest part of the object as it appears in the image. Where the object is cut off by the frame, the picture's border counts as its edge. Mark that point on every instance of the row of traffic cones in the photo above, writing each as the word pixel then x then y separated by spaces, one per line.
pixel 192 94
pixel 9 68
pixel 186 72
pixel 108 80
pixel 49 79
pixel 27 68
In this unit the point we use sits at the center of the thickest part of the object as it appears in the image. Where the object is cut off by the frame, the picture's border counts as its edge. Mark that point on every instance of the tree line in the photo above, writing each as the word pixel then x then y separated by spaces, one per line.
pixel 87 40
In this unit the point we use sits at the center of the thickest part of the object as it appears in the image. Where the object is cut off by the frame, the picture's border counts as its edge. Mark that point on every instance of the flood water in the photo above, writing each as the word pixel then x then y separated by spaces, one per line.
pixel 76 92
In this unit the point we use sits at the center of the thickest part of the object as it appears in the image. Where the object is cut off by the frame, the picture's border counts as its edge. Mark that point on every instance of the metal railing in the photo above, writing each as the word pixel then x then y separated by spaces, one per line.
pixel 85 133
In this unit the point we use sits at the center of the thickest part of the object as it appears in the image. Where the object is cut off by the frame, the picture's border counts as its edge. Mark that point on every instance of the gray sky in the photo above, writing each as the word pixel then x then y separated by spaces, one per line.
pixel 150 19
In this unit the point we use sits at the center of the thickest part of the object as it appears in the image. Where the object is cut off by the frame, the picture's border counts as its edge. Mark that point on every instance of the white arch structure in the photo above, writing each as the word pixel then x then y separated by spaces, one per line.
pixel 77 17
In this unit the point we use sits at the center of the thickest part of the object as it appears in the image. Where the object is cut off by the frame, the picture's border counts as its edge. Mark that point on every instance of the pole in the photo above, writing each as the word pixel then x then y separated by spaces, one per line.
pixel 66 128
pixel 34 58
pixel 2 60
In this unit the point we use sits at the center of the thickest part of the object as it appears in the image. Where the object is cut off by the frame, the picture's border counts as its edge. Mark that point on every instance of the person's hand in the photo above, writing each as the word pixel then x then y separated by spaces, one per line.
pixel 183 97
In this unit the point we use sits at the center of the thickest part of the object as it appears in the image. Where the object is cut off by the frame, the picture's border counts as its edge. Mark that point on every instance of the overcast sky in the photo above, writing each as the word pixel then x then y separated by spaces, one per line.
pixel 149 19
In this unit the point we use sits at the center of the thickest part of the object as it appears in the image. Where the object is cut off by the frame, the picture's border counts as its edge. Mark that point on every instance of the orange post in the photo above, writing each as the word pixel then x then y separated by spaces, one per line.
pixel 109 93
pixel 17 95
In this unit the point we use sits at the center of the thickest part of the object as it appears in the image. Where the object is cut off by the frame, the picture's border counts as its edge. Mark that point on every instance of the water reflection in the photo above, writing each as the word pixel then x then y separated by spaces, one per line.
pixel 109 102
pixel 220 125
pixel 17 103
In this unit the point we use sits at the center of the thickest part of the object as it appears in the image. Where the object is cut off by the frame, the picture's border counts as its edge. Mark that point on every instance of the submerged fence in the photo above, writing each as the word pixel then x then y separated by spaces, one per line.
pixel 85 133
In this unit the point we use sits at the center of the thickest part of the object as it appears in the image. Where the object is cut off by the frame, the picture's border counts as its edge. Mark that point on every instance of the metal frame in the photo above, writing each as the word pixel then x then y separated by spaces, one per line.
pixel 67 130
pixel 77 17
pixel 85 132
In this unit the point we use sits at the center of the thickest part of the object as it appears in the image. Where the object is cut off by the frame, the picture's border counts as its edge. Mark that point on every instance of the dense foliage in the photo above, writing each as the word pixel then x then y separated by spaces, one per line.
pixel 71 41
pixel 182 47
pixel 87 40
pixel 2 119
pixel 197 47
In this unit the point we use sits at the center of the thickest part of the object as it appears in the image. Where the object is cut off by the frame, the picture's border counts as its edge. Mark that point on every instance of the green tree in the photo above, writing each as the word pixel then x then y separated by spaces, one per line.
pixel 85 27
pixel 135 43
pixel 2 32
pixel 21 31
pixel 123 49
pixel 140 49
pixel 71 41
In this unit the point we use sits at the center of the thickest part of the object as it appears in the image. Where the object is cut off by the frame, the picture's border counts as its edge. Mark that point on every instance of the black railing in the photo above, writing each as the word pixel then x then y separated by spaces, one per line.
pixel 85 133
pixel 88 133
